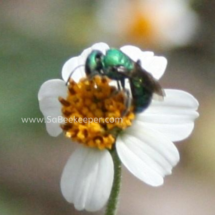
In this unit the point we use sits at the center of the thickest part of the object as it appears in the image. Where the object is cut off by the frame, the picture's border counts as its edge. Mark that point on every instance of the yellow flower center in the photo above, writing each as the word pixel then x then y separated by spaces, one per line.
pixel 95 112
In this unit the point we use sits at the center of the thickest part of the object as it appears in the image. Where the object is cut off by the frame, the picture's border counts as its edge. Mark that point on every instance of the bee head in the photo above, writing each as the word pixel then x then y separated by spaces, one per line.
pixel 94 62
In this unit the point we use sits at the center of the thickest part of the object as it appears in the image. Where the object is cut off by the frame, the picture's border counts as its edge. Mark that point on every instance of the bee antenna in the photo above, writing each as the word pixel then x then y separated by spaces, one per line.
pixel 73 72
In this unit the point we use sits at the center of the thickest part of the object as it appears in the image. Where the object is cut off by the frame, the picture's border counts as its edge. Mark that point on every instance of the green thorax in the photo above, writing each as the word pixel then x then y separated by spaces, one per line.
pixel 115 57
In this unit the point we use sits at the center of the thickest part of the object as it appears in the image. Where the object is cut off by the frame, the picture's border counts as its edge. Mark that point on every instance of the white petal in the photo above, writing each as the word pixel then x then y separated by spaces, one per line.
pixel 147 154
pixel 51 109
pixel 103 47
pixel 85 54
pixel 136 54
pixel 73 67
pixel 173 117
pixel 52 88
pixel 87 178
pixel 147 54
pixel 132 51
pixel 155 65
pixel 173 132
pixel 50 106
pixel 53 128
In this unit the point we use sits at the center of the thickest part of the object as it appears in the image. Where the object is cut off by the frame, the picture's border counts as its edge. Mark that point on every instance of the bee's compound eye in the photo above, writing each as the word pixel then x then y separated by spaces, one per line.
pixel 98 57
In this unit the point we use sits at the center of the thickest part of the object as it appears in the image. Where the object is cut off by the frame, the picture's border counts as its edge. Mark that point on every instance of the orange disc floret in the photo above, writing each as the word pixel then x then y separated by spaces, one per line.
pixel 93 111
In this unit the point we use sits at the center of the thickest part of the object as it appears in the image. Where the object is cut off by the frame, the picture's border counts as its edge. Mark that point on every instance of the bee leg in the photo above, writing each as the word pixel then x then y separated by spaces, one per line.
pixel 128 98
pixel 127 102
pixel 117 89
pixel 122 81
pixel 118 85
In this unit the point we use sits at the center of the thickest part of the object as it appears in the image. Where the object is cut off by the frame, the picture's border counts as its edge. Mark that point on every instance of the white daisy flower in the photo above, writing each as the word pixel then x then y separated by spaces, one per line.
pixel 145 143
pixel 161 24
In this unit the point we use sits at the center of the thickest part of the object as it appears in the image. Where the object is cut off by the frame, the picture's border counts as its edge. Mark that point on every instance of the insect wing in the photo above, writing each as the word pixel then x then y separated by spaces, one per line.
pixel 148 82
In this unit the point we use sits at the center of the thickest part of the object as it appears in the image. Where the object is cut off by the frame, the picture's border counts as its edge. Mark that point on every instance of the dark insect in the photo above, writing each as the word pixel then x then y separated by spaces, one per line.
pixel 118 66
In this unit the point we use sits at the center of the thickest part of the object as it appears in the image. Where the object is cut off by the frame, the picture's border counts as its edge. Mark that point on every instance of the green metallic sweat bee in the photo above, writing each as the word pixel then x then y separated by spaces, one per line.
pixel 118 66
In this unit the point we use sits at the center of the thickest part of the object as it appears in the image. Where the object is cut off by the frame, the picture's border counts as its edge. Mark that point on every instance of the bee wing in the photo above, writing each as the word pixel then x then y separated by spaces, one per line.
pixel 149 82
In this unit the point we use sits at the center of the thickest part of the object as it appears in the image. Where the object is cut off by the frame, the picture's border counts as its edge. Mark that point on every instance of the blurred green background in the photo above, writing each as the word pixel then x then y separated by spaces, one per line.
pixel 36 38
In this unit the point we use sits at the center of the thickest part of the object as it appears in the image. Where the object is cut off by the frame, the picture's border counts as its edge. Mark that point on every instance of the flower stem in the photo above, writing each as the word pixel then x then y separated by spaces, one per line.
pixel 111 208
